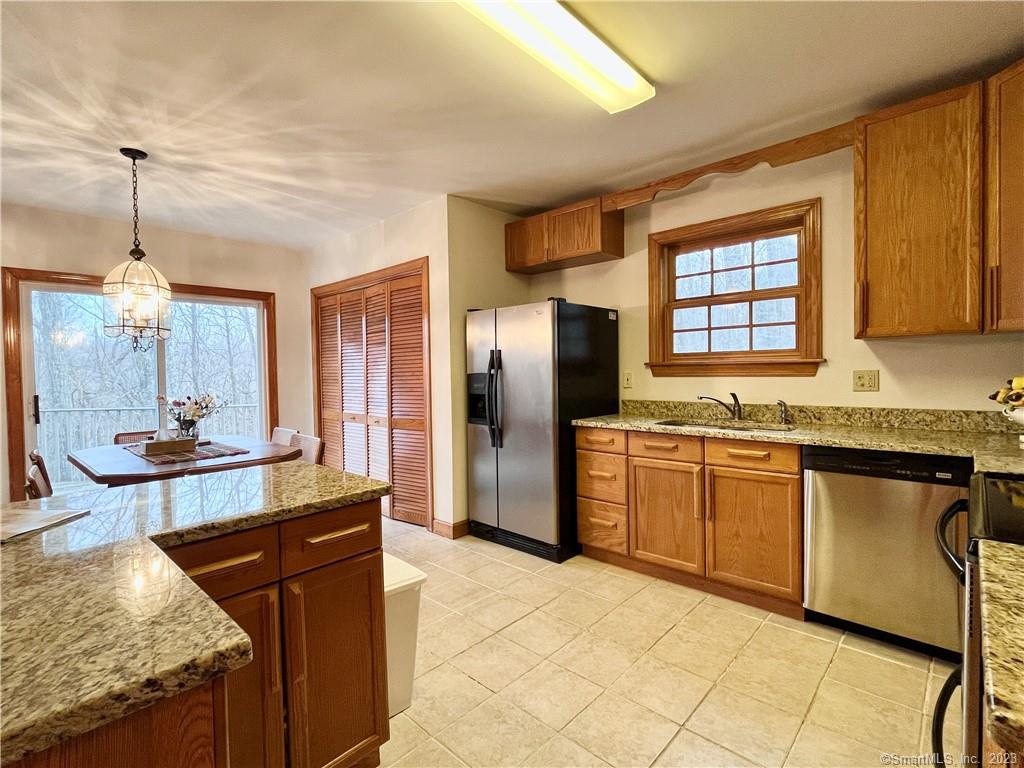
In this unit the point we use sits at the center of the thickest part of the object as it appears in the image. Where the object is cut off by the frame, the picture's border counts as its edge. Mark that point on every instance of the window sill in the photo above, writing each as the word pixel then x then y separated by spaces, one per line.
pixel 737 367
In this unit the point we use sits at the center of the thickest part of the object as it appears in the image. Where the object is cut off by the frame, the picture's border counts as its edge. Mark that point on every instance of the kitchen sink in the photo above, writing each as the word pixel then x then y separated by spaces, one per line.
pixel 743 426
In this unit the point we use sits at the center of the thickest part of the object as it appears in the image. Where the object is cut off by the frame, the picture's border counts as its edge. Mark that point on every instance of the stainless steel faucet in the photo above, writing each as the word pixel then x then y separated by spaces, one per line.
pixel 735 410
pixel 783 412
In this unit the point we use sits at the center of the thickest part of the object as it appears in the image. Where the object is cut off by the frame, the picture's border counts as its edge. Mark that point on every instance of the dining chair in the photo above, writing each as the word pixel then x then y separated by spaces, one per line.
pixel 36 484
pixel 36 458
pixel 282 435
pixel 124 438
pixel 312 447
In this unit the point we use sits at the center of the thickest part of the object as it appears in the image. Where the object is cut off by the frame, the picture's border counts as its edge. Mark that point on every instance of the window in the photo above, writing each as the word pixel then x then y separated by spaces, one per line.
pixel 739 296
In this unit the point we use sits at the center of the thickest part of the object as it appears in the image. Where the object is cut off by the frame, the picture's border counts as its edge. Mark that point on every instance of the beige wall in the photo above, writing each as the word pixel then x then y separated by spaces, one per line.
pixel 931 372
pixel 39 238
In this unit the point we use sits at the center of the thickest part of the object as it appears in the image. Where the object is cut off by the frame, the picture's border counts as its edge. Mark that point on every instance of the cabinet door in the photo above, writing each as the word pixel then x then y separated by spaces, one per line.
pixel 574 230
pixel 336 662
pixel 524 244
pixel 917 202
pixel 249 702
pixel 328 372
pixel 353 381
pixel 378 427
pixel 666 514
pixel 1004 200
pixel 754 531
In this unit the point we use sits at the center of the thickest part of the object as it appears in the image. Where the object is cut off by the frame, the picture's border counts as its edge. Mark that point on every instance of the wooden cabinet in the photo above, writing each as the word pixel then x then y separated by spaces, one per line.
pixel 601 476
pixel 576 234
pixel 336 662
pixel 917 208
pixel 754 531
pixel 666 513
pixel 603 525
pixel 249 702
pixel 1004 200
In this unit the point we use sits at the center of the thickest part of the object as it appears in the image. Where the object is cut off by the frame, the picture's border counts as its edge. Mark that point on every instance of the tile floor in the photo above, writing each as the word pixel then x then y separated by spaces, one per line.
pixel 525 663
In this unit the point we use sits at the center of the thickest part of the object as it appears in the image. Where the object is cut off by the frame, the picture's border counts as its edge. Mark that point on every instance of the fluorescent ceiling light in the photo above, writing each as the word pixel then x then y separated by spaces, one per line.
pixel 559 41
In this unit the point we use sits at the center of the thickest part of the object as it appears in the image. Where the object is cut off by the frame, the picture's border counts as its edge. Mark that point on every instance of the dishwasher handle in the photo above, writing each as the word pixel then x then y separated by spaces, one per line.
pixel 939 713
pixel 955 563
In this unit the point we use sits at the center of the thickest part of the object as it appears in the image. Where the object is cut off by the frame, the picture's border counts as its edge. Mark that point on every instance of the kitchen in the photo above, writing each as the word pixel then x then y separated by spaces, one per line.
pixel 650 436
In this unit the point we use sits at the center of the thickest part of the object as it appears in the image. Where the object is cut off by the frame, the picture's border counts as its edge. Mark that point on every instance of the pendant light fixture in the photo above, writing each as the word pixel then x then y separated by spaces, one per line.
pixel 136 297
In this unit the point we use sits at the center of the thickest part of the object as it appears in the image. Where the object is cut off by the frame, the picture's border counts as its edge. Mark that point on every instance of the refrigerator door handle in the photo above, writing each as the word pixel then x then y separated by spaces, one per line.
pixel 498 398
pixel 488 399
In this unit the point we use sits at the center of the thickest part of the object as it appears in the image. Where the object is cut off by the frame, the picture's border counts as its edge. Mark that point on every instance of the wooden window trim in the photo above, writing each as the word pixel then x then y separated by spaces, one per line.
pixel 13 277
pixel 803 217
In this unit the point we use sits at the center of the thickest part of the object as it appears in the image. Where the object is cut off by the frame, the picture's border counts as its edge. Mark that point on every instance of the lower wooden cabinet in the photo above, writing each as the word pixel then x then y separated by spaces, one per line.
pixel 667 513
pixel 754 538
pixel 336 663
pixel 603 525
pixel 249 702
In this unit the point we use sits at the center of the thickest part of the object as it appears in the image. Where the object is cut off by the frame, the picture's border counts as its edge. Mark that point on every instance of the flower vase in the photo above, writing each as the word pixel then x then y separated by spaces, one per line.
pixel 188 429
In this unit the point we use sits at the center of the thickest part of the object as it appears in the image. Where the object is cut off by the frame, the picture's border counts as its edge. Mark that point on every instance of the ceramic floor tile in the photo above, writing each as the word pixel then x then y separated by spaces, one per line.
pixel 552 694
pixel 463 561
pixel 579 608
pixel 726 628
pixel 780 684
pixel 560 752
pixel 746 726
pixel 405 736
pixel 496 733
pixel 430 755
pixel 818 747
pixel 451 635
pixel 626 573
pixel 442 696
pixel 496 611
pixel 732 605
pixel 663 688
pixel 935 683
pixel 694 653
pixel 534 590
pixel 822 631
pixel 431 611
pixel 611 586
pixel 496 574
pixel 570 573
pixel 775 642
pixel 459 591
pixel 483 546
pixel 942 667
pixel 524 561
pixel 688 750
pixel 599 660
pixel 874 674
pixel 495 662
pixel 670 601
pixel 632 628
pixel 887 651
pixel 870 719
pixel 621 732
pixel 541 633
pixel 426 660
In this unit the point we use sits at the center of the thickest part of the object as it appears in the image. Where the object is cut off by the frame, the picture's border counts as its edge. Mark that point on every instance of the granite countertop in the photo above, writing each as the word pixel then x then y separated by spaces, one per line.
pixel 1002 640
pixel 992 451
pixel 97 622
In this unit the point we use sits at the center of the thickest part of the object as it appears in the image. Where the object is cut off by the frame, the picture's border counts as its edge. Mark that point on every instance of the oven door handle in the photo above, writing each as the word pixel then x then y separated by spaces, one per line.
pixel 956 564
pixel 939 714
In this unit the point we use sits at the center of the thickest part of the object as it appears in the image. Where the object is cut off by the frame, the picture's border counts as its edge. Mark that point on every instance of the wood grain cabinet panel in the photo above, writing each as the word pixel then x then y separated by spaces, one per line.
pixel 328 371
pixel 573 235
pixel 234 563
pixel 666 514
pixel 601 476
pixel 335 663
pixel 917 207
pixel 754 531
pixel 249 702
pixel 603 440
pixel 525 246
pixel 315 540
pixel 1004 200
pixel 752 454
pixel 601 525
pixel 674 447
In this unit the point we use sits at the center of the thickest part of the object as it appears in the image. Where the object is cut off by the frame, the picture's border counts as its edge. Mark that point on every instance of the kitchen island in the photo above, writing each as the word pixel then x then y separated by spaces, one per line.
pixel 98 622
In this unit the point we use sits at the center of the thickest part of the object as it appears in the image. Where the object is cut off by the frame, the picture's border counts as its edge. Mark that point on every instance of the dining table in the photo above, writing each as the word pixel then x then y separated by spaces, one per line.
pixel 115 465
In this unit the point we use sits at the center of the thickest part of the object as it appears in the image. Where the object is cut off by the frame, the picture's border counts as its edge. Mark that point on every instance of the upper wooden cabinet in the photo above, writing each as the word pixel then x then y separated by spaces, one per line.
pixel 1004 200
pixel 576 234
pixel 917 207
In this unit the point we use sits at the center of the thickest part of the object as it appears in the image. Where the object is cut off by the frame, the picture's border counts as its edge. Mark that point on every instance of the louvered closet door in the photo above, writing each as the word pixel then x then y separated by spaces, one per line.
pixel 410 470
pixel 353 382
pixel 378 432
pixel 329 372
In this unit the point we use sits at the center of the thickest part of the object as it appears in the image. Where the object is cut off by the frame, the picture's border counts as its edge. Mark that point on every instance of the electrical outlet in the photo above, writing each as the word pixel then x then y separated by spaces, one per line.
pixel 865 381
pixel 627 379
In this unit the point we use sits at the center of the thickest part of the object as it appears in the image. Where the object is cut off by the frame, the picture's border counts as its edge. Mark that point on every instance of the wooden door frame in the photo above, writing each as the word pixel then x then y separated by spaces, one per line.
pixel 14 277
pixel 416 267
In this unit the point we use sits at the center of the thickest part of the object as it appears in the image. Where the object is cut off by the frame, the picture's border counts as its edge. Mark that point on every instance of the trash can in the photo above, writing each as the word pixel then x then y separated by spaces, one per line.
pixel 402 583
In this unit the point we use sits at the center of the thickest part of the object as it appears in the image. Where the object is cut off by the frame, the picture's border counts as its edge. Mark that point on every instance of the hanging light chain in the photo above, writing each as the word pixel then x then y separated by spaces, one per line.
pixel 135 203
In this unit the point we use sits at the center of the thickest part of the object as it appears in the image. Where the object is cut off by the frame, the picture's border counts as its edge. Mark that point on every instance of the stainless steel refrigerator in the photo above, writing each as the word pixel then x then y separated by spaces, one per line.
pixel 531 370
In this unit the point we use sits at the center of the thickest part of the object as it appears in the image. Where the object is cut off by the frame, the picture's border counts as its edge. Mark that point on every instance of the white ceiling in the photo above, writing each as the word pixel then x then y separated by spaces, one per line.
pixel 290 122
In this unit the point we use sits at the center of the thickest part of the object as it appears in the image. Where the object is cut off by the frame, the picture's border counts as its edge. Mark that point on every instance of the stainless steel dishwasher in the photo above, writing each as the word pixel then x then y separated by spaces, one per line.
pixel 869 545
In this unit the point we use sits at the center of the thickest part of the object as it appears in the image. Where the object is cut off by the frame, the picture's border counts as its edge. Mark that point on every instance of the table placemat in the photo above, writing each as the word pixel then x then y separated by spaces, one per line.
pixel 211 451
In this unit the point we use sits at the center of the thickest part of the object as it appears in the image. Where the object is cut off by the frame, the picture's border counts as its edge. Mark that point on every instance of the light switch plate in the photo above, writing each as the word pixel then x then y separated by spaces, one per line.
pixel 865 381
pixel 627 379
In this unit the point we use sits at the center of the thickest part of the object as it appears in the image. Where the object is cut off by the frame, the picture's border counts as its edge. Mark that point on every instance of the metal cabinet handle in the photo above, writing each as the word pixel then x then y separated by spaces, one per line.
pixel 747 454
pixel 603 523
pixel 226 566
pixel 600 440
pixel 600 475
pixel 661 446
pixel 343 533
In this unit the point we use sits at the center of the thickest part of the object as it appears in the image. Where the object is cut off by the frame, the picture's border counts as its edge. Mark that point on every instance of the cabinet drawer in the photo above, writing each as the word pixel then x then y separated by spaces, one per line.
pixel 229 565
pixel 604 440
pixel 601 476
pixel 749 454
pixel 651 445
pixel 602 525
pixel 323 537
